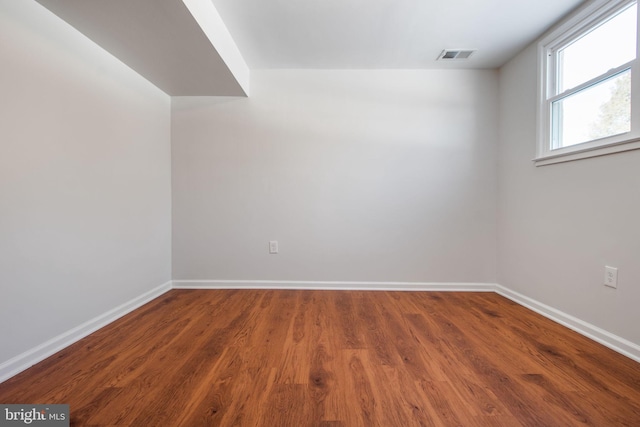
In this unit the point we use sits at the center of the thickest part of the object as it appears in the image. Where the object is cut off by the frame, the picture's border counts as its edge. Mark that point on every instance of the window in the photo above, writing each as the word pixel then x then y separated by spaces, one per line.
pixel 589 78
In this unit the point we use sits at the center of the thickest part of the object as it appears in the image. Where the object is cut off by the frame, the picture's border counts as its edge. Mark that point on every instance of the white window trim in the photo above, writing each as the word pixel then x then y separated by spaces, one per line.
pixel 583 19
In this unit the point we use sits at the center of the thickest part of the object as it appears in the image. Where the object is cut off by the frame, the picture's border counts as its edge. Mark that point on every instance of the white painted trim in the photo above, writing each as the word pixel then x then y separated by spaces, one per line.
pixel 37 354
pixel 614 342
pixel 342 286
pixel 583 20
pixel 585 153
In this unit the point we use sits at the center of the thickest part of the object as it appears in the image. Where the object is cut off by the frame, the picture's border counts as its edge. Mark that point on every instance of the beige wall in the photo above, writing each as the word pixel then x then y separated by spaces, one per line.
pixel 84 180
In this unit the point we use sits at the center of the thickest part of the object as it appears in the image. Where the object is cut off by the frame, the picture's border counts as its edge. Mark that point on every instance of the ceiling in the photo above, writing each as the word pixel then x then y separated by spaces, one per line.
pixel 207 47
pixel 340 34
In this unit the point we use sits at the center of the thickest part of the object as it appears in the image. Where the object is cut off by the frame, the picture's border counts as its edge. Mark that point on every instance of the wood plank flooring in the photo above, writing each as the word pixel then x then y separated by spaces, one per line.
pixel 334 358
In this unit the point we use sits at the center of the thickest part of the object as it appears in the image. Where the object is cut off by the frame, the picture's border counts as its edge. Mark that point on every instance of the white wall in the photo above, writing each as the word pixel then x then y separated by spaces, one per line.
pixel 85 199
pixel 559 225
pixel 360 175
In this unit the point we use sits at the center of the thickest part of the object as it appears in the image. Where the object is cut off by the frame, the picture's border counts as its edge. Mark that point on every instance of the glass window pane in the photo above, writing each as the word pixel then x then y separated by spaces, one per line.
pixel 608 46
pixel 596 112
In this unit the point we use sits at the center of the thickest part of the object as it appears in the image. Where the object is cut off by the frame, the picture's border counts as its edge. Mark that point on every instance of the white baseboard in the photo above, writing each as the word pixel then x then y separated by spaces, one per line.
pixel 343 286
pixel 42 351
pixel 37 354
pixel 614 342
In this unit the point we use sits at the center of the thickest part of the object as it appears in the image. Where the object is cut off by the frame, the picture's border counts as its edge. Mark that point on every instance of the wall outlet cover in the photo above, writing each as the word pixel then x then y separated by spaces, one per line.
pixel 611 277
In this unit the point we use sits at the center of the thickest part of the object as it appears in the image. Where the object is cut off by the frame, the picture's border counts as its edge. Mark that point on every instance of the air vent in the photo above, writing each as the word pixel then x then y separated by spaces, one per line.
pixel 455 54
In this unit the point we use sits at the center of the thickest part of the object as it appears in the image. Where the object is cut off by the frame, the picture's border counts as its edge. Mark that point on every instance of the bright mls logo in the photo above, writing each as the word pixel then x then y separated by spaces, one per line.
pixel 36 415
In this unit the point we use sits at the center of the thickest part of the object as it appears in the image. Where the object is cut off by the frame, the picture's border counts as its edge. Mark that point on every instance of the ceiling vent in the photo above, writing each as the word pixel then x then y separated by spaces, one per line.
pixel 456 54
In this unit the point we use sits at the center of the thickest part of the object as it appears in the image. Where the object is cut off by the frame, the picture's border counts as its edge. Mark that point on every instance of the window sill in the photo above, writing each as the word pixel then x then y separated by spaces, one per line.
pixel 585 153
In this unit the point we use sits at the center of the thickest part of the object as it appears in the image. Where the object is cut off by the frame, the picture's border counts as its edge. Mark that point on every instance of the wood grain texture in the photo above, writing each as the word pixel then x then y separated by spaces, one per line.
pixel 334 358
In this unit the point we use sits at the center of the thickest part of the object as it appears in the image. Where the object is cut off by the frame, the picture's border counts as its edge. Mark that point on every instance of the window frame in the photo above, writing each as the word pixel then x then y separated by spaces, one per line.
pixel 580 23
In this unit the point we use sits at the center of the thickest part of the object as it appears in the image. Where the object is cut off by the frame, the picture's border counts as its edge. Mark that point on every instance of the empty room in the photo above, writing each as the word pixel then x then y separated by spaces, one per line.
pixel 319 213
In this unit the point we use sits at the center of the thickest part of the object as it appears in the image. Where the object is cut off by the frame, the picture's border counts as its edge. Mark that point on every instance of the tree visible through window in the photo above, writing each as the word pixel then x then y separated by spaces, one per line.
pixel 615 114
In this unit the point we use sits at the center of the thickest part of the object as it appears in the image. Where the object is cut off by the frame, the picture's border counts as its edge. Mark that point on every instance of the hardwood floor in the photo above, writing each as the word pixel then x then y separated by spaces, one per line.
pixel 334 358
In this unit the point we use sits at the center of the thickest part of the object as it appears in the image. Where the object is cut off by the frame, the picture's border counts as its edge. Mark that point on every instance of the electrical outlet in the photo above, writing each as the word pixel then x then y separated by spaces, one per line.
pixel 273 246
pixel 611 277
